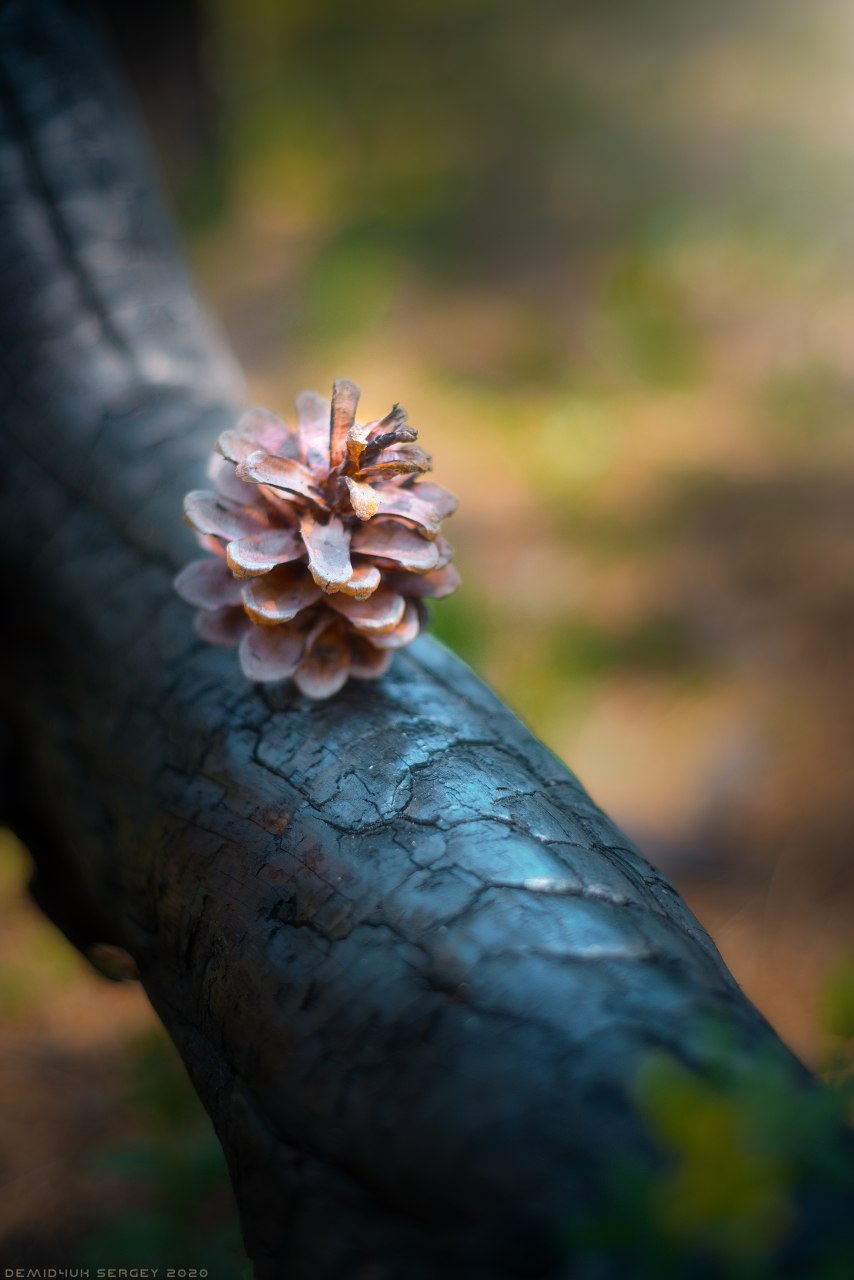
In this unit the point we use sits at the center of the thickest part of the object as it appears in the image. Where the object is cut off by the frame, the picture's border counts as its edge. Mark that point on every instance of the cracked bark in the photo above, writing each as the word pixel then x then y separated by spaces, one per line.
pixel 410 966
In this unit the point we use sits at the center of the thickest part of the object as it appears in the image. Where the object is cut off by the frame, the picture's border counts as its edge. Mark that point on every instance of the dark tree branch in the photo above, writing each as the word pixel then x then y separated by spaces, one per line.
pixel 410 966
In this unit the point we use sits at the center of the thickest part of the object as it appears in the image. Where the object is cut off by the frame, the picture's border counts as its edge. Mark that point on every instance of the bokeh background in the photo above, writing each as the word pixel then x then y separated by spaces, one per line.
pixel 604 254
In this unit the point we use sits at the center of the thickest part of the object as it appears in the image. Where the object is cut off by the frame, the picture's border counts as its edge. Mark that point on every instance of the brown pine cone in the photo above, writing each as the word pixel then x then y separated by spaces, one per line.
pixel 325 542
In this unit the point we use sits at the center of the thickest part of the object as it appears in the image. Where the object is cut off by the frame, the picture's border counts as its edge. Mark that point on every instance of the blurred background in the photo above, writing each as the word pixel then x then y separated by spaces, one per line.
pixel 604 254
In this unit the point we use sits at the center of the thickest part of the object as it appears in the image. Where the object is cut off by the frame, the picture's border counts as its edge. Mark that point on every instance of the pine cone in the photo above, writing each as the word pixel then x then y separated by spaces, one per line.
pixel 325 541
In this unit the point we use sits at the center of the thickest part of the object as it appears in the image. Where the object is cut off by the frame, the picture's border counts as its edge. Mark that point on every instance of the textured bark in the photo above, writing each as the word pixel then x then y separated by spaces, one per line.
pixel 410 965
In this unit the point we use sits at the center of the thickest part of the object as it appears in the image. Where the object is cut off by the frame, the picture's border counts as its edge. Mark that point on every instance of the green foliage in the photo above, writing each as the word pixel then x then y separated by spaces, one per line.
pixel 582 650
pixel 726 1189
pixel 837 1005
pixel 15 864
pixel 577 444
pixel 837 1020
pixel 649 328
pixel 351 287
pixel 464 623
pixel 807 405
pixel 35 959
pixel 742 1144
pixel 181 1212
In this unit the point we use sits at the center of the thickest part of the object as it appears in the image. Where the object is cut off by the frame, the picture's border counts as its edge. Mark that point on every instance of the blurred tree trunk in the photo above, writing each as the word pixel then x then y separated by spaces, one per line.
pixel 164 51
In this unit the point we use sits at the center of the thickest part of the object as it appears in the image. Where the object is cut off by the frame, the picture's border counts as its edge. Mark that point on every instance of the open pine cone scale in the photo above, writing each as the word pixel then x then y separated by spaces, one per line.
pixel 325 540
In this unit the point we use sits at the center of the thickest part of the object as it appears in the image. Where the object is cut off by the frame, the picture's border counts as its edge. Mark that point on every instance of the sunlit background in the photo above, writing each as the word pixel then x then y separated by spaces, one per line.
pixel 604 254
